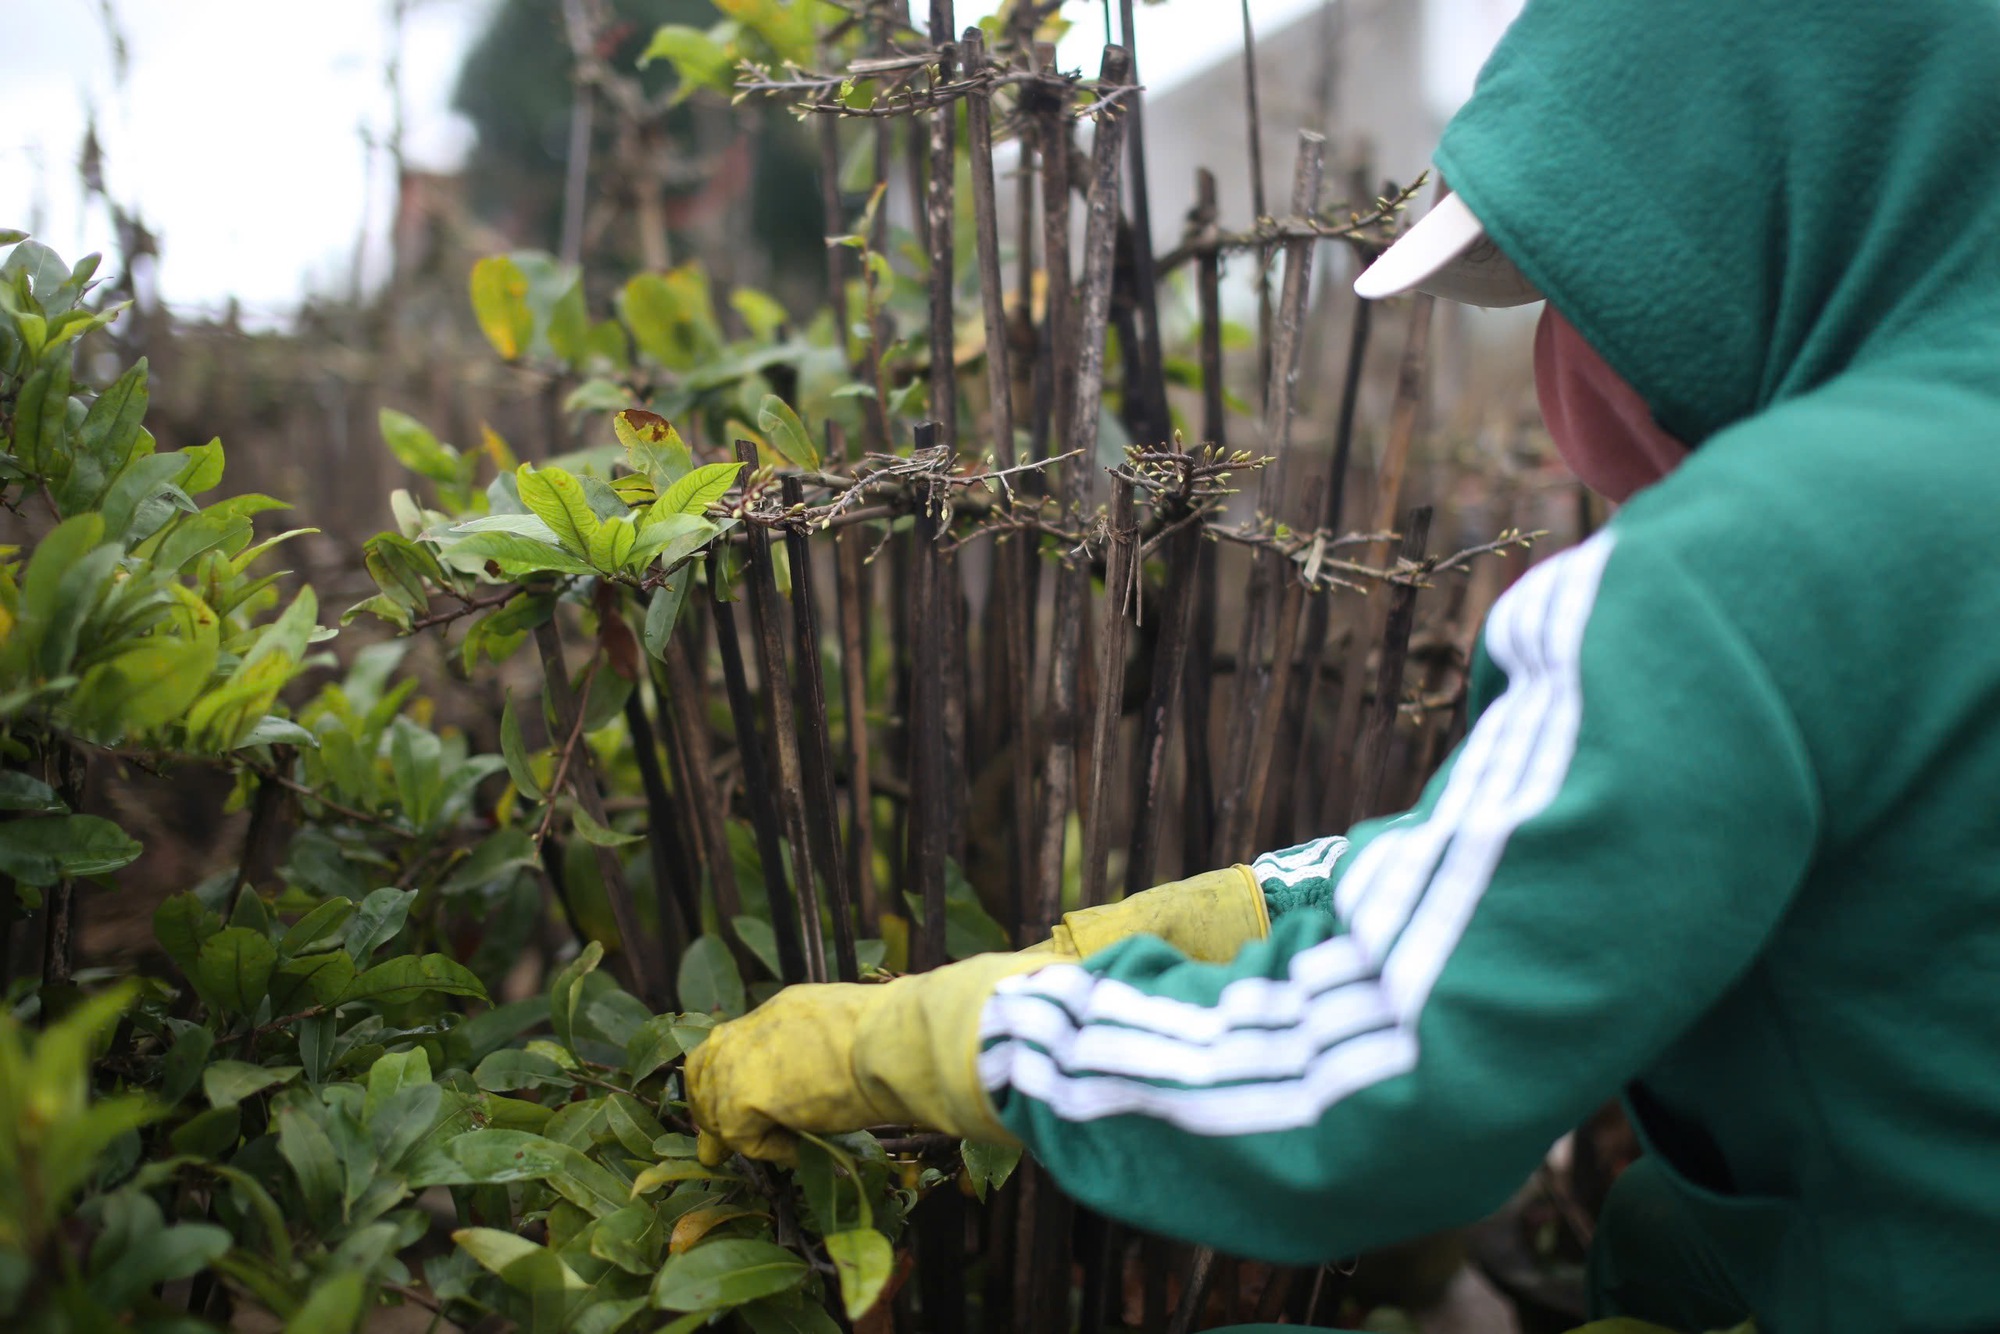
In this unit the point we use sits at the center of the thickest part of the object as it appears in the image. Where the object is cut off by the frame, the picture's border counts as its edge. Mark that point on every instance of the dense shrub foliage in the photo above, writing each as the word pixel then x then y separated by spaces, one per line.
pixel 282 1116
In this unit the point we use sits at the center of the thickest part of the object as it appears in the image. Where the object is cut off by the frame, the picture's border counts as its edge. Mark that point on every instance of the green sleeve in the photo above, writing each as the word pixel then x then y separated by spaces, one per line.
pixel 1604 854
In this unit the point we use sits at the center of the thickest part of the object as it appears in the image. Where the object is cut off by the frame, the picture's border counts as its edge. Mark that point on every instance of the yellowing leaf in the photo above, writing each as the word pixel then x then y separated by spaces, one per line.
pixel 692 1226
pixel 497 448
pixel 760 311
pixel 652 446
pixel 680 1169
pixel 500 304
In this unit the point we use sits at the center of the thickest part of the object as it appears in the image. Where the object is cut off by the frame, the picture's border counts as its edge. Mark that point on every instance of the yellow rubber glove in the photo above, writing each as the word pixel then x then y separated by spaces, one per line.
pixel 842 1056
pixel 1207 917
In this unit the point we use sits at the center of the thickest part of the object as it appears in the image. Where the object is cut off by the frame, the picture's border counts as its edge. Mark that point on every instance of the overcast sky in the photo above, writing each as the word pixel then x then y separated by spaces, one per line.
pixel 239 129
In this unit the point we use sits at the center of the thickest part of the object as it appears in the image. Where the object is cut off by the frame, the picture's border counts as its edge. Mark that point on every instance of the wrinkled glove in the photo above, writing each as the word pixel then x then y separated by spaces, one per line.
pixel 842 1056
pixel 1207 917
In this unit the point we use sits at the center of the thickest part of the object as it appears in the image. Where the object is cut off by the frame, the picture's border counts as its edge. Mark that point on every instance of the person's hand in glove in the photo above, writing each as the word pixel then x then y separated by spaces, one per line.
pixel 1207 917
pixel 842 1056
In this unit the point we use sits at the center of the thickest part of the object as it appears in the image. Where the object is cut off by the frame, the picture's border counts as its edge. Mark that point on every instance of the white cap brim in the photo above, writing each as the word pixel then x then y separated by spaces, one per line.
pixel 1448 255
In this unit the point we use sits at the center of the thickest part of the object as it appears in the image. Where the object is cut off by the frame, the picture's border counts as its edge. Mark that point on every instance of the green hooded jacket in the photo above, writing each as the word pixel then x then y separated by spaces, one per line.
pixel 1725 835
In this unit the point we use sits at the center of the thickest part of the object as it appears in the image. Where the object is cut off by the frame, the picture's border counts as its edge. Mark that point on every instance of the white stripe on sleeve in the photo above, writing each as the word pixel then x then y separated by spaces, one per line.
pixel 1274 1054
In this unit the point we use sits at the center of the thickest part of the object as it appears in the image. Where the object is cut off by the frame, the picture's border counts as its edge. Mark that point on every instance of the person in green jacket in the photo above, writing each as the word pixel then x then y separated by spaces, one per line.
pixel 1724 837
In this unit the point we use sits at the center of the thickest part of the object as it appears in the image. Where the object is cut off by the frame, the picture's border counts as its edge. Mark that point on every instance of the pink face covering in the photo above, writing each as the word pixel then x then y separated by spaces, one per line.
pixel 1602 428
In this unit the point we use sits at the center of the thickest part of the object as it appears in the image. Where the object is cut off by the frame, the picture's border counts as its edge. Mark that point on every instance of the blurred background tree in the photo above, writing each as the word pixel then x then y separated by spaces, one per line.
pixel 721 172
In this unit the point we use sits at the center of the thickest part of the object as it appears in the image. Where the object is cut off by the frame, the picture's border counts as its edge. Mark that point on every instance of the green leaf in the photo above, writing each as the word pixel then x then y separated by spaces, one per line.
pixel 595 395
pixel 968 928
pixel 416 448
pixel 709 982
pixel 290 634
pixel 390 1074
pixel 525 1267
pixel 556 498
pixel 691 1030
pixel 317 927
pixel 508 1070
pixel 233 970
pixel 404 1123
pixel 40 413
pixel 304 1144
pixel 670 538
pixel 271 730
pixel 569 326
pixel 226 1083
pixel 19 792
pixel 106 439
pixel 142 497
pixel 629 1239
pixel 864 1259
pixel 763 313
pixel 517 555
pixel 613 1314
pixel 321 978
pixel 612 543
pixel 486 1033
pixel 590 1187
pixel 515 751
pixel 380 916
pixel 566 991
pixel 409 976
pixel 45 850
pixel 181 924
pixel 597 835
pixel 209 1134
pixel 334 1306
pixel 227 713
pixel 47 613
pixel 500 304
pixel 664 609
pixel 786 1315
pixel 164 1256
pixel 726 1273
pixel 694 493
pixel 524 525
pixel 497 859
pixel 632 1125
pixel 988 1166
pixel 404 570
pixel 659 322
pixel 699 60
pixel 145 688
pixel 184 1062
pixel 416 762
pixel 818 1178
pixel 651 1047
pixel 492 1157
pixel 787 434
pixel 757 935
pixel 201 467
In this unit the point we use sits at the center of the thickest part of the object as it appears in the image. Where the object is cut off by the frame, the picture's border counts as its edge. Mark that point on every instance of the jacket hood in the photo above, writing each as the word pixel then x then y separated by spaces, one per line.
pixel 1737 200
